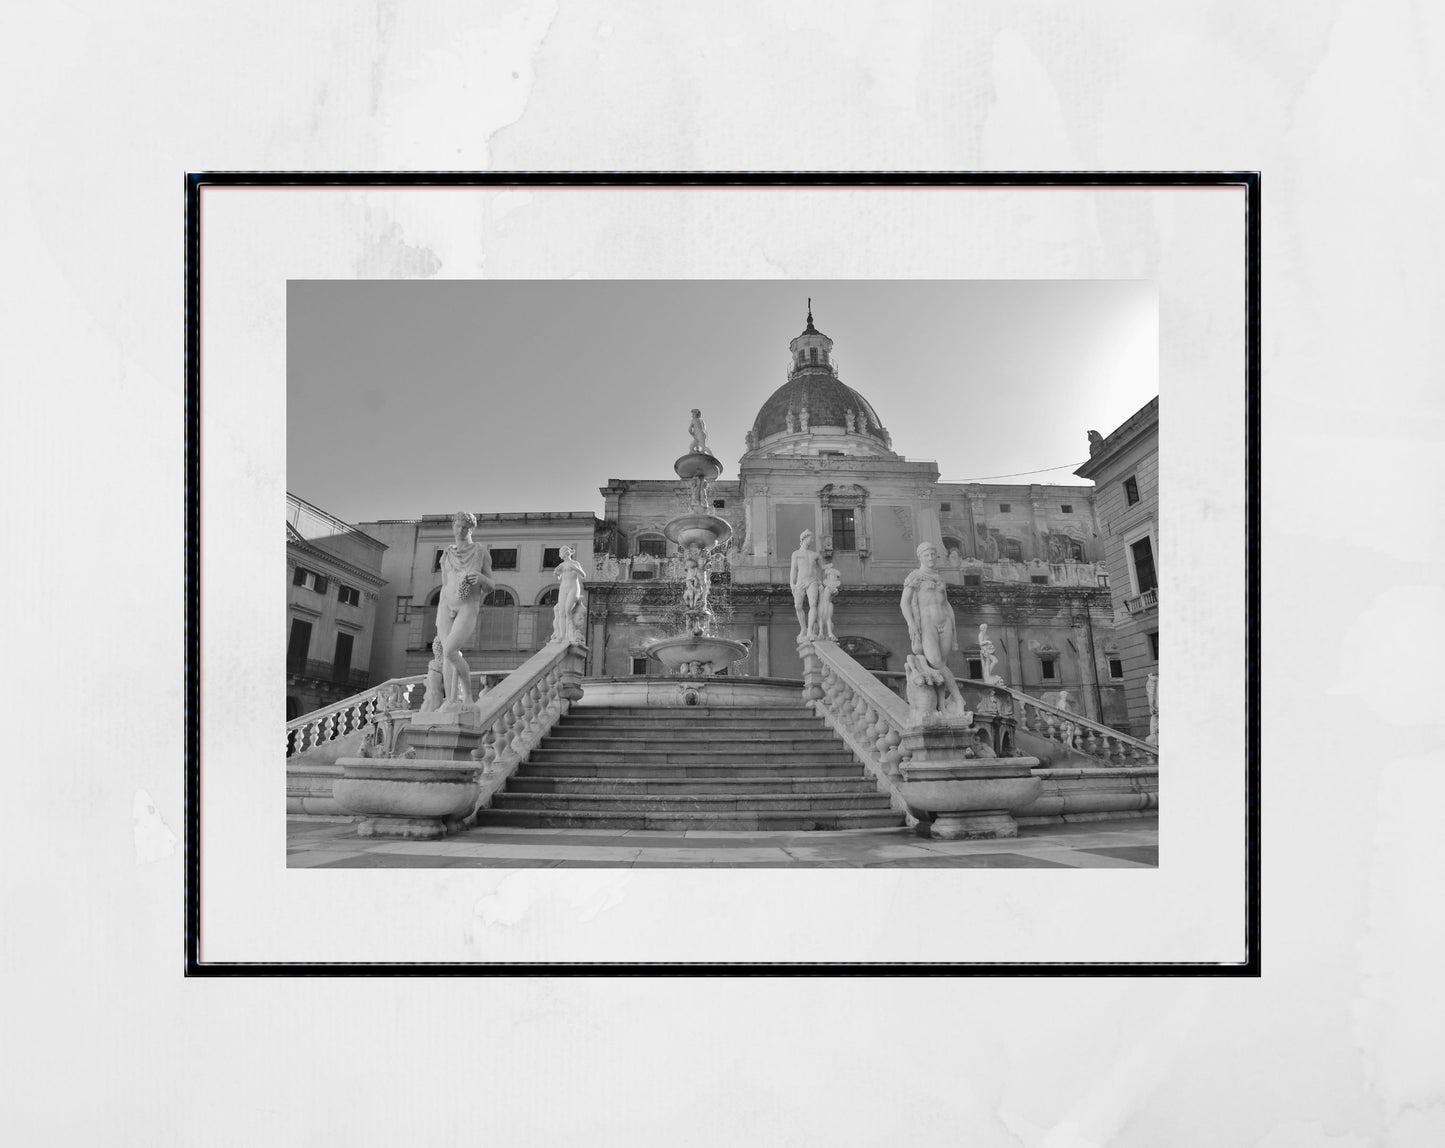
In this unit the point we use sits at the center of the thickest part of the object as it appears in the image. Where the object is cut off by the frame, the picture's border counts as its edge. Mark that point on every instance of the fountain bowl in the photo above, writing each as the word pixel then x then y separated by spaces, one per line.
pixel 701 530
pixel 712 653
pixel 698 465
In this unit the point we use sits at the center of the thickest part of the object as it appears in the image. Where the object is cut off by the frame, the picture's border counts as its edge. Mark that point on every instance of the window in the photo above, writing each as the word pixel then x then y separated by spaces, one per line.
pixel 1013 550
pixel 1116 668
pixel 653 545
pixel 436 561
pixel 639 665
pixel 973 579
pixel 843 534
pixel 1131 489
pixel 341 665
pixel 499 598
pixel 813 354
pixel 293 708
pixel 403 609
pixel 1039 579
pixel 310 579
pixel 975 669
pixel 497 623
pixel 298 646
pixel 549 597
pixel 1066 508
pixel 1143 557
pixel 641 575
pixel 551 557
pixel 946 507
pixel 504 559
pixel 1003 507
pixel 436 597
pixel 1050 671
pixel 348 596
pixel 719 503
pixel 1154 645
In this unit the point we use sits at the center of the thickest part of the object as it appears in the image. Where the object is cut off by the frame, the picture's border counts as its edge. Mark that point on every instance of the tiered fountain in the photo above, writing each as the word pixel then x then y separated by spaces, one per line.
pixel 698 651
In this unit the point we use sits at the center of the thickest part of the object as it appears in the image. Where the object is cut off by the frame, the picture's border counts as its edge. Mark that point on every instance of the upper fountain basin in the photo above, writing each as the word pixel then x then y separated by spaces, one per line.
pixel 701 530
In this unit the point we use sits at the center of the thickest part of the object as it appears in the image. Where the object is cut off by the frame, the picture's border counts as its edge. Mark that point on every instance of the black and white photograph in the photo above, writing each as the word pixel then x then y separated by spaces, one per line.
pixel 739 575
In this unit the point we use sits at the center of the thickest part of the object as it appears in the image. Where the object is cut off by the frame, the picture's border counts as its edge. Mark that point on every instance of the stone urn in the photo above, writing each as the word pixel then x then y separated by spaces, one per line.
pixel 407 797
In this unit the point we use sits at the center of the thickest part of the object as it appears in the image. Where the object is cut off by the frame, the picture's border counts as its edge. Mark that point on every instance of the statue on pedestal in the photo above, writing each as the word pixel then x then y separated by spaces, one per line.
pixel 570 604
pixel 698 429
pixel 848 419
pixel 803 419
pixel 792 423
pixel 805 577
pixel 466 576
pixel 694 585
pixel 832 582
pixel 988 656
pixel 933 637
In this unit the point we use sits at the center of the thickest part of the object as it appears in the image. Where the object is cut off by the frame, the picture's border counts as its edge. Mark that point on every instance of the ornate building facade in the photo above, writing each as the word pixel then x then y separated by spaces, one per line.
pixel 1025 559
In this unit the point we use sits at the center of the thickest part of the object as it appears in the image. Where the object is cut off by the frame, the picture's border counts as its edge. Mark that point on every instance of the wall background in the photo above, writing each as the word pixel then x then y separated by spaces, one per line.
pixel 1338 1045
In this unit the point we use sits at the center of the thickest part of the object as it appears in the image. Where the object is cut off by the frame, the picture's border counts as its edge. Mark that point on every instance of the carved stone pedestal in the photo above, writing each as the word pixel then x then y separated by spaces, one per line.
pixel 957 798
pixel 407 797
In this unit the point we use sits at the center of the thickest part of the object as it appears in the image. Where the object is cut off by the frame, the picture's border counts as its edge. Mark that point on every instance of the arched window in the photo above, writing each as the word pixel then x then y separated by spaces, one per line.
pixel 436 597
pixel 1013 550
pixel 499 598
pixel 813 354
pixel 548 597
pixel 497 623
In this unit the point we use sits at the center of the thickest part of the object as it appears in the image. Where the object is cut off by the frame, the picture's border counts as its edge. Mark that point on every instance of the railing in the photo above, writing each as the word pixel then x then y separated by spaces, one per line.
pixel 351 714
pixel 868 716
pixel 324 671
pixel 1149 600
pixel 524 706
pixel 1072 731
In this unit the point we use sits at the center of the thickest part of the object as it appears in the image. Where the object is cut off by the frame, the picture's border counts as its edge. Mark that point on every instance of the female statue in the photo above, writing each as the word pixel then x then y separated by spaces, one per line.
pixel 832 581
pixel 931 628
pixel 570 574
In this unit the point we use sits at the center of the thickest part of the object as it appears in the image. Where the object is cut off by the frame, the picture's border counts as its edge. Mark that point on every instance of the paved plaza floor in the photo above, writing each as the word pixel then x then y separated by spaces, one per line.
pixel 1127 844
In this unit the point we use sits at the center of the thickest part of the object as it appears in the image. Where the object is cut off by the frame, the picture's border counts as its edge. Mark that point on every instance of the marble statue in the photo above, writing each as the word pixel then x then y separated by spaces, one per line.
pixel 990 548
pixel 832 582
pixel 698 429
pixel 803 419
pixel 933 637
pixel 694 586
pixel 1096 440
pixel 466 577
pixel 1151 688
pixel 955 557
pixel 805 577
pixel 792 423
pixel 570 575
pixel 848 418
pixel 988 656
pixel 750 440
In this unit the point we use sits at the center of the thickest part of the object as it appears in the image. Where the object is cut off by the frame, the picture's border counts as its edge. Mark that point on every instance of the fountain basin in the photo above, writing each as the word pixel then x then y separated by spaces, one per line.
pixel 712 654
pixel 701 530
pixel 698 465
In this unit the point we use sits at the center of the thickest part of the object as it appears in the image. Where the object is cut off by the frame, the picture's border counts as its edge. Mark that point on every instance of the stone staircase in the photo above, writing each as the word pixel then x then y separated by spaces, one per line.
pixel 697 767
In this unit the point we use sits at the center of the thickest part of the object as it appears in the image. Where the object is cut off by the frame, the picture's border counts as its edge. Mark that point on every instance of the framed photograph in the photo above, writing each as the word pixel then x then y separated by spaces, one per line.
pixel 724 573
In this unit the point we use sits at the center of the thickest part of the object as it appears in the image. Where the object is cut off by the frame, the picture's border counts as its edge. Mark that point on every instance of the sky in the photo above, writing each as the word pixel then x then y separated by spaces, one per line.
pixel 407 397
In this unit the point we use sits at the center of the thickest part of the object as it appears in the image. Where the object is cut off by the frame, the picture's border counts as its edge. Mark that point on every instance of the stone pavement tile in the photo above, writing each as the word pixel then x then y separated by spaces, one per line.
pixel 1079 859
pixel 312 858
pixel 866 853
pixel 539 851
pixel 1142 853
pixel 390 861
pixel 695 856
pixel 971 861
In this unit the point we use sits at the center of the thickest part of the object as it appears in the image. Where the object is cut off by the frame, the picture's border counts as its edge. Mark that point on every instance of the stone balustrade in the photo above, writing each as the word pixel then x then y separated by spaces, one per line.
pixel 351 714
pixel 1065 728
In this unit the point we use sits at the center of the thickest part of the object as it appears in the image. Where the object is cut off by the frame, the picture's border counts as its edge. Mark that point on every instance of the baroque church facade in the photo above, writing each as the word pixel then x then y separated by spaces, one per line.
pixel 1025 559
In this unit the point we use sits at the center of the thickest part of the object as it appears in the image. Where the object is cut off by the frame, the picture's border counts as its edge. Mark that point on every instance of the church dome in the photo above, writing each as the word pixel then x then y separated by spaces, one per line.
pixel 828 402
pixel 815 410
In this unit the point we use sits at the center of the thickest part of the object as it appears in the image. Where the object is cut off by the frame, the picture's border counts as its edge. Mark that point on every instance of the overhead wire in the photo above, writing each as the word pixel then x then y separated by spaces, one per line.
pixel 1015 474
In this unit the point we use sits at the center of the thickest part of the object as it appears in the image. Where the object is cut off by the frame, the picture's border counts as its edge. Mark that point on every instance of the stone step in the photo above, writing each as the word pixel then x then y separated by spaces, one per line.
pixel 622 721
pixel 795 769
pixel 761 803
pixel 740 821
pixel 745 784
pixel 596 755
pixel 817 743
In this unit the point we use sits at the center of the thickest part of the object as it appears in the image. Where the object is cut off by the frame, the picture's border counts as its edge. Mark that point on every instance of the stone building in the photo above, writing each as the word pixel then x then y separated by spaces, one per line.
pixel 516 617
pixel 1028 560
pixel 1022 558
pixel 1124 467
pixel 334 579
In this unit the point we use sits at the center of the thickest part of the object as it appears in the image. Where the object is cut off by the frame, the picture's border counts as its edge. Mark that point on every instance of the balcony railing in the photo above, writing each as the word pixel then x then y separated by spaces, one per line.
pixel 1149 600
pixel 327 672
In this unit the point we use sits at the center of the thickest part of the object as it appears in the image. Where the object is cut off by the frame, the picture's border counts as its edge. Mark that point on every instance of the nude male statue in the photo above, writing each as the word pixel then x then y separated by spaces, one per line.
pixel 466 576
pixel 698 429
pixel 806 579
pixel 930 625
